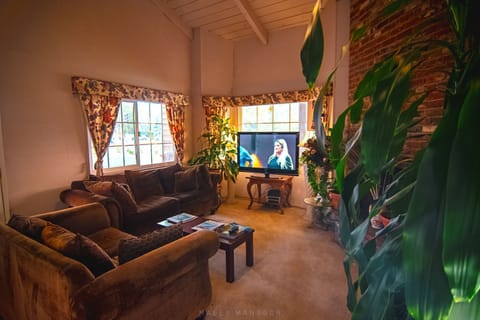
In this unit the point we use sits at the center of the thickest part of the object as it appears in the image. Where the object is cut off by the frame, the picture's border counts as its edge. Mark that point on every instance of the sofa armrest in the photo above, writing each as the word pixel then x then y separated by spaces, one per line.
pixel 171 282
pixel 77 197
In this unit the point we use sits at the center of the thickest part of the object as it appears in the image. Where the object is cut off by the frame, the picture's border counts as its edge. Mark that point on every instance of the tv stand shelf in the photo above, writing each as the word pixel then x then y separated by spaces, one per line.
pixel 284 184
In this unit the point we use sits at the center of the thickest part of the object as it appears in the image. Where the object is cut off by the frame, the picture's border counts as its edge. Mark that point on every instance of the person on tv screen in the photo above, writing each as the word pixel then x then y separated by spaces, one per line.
pixel 280 159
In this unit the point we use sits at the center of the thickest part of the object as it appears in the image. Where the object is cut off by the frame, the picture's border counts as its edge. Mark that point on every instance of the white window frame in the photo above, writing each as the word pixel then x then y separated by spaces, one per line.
pixel 302 118
pixel 136 144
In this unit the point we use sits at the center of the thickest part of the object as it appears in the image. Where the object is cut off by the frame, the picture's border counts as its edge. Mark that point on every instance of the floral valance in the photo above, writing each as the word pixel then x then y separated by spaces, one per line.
pixel 85 86
pixel 260 99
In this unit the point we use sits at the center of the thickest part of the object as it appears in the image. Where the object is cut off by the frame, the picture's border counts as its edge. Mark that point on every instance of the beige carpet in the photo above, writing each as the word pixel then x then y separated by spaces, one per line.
pixel 297 272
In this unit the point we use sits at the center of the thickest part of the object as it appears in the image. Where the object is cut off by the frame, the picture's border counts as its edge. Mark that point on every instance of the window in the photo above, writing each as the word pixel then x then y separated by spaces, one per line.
pixel 274 117
pixel 141 137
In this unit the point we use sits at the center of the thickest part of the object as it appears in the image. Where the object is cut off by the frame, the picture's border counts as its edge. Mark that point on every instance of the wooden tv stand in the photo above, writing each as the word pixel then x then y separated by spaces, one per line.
pixel 284 184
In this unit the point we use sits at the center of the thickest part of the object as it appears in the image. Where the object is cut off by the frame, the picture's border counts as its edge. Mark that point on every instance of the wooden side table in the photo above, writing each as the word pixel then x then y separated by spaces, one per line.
pixel 284 184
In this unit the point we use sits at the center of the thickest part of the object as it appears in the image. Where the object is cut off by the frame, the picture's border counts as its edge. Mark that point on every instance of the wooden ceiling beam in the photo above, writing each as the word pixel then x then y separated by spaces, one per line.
pixel 252 19
pixel 173 17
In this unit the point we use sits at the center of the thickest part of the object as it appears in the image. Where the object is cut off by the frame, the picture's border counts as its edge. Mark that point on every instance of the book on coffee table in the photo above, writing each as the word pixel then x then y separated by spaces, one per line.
pixel 181 218
pixel 208 225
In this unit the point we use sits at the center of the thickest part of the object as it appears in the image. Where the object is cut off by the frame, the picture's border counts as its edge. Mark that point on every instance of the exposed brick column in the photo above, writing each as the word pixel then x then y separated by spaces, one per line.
pixel 388 35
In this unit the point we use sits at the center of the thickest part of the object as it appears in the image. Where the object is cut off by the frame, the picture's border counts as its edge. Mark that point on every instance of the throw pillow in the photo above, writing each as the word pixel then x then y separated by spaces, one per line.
pixel 103 188
pixel 78 247
pixel 144 183
pixel 30 226
pixel 166 177
pixel 203 177
pixel 132 248
pixel 124 197
pixel 186 180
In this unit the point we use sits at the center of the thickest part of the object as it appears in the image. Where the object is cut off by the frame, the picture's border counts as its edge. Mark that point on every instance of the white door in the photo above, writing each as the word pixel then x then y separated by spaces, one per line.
pixel 4 210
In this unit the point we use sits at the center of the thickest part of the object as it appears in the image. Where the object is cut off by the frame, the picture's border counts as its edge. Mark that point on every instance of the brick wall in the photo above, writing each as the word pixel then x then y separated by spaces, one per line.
pixel 389 34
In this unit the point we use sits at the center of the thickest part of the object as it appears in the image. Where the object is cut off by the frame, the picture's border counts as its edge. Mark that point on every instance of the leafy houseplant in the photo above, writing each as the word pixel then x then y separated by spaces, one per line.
pixel 318 169
pixel 219 141
pixel 427 264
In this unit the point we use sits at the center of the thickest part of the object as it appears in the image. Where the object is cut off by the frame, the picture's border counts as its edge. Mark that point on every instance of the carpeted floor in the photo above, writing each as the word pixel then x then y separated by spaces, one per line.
pixel 297 272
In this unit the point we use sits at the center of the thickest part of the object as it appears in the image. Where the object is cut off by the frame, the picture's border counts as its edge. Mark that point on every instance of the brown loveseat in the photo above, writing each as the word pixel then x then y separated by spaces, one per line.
pixel 144 197
pixel 38 282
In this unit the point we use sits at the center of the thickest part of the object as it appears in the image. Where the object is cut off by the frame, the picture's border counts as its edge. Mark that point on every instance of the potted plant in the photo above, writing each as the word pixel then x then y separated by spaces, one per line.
pixel 427 265
pixel 219 149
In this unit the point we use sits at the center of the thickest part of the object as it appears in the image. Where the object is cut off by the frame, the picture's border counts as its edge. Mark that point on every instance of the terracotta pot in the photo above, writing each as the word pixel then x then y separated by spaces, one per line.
pixel 335 199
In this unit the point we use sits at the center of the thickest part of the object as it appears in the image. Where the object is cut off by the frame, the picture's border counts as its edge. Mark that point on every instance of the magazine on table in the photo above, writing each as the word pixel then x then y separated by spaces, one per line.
pixel 208 225
pixel 181 218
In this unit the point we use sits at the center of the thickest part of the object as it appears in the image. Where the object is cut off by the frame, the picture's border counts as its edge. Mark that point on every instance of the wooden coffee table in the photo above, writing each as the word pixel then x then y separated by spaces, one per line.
pixel 228 245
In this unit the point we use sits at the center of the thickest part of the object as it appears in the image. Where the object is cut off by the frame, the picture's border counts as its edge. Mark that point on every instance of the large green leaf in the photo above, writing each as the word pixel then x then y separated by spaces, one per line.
pixel 461 245
pixel 381 118
pixel 426 286
pixel 385 281
pixel 312 50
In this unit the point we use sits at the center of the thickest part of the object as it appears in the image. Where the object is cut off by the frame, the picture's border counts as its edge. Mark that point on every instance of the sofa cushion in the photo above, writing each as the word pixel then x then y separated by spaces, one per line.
pixel 134 247
pixel 99 187
pixel 108 239
pixel 30 226
pixel 186 180
pixel 124 197
pixel 166 177
pixel 144 183
pixel 78 247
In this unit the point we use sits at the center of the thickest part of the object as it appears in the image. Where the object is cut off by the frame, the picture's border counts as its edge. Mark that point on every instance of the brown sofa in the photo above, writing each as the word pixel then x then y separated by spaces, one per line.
pixel 38 282
pixel 144 197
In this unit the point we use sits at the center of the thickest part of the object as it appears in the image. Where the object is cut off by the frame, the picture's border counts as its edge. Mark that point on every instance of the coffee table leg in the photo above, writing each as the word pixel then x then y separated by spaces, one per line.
pixel 230 263
pixel 249 249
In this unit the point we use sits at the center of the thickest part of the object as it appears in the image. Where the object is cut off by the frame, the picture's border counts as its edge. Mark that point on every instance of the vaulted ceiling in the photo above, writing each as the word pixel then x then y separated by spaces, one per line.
pixel 237 19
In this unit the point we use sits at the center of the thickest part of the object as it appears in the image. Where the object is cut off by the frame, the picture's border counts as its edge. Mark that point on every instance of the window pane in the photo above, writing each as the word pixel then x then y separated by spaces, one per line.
pixel 157 153
pixel 281 127
pixel 249 114
pixel 156 112
pixel 249 127
pixel 169 152
pixel 264 127
pixel 117 136
pixel 128 133
pixel 295 112
pixel 265 113
pixel 157 133
pixel 127 112
pixel 281 112
pixel 143 133
pixel 294 126
pixel 130 157
pixel 143 110
pixel 145 155
pixel 115 156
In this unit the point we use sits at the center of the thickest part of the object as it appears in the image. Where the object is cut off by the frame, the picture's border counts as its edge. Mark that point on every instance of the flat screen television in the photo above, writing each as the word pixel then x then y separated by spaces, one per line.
pixel 268 152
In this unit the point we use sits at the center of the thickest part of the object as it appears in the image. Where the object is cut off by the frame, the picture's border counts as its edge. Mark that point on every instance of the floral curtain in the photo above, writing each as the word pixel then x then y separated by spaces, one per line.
pixel 101 113
pixel 219 104
pixel 176 121
pixel 91 89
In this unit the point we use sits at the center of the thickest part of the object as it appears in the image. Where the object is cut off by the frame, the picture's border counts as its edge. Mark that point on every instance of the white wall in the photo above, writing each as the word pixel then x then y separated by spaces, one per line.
pixel 44 43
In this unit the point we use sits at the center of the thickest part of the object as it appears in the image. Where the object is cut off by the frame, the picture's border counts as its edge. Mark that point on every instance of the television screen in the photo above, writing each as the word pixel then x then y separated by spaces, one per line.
pixel 268 152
